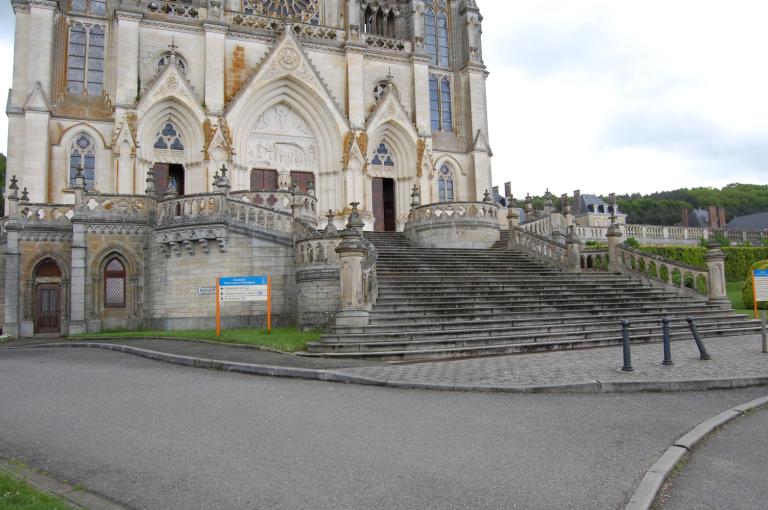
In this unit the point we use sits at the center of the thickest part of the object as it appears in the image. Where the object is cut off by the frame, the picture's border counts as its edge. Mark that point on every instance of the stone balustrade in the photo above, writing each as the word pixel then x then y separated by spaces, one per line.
pixel 276 25
pixel 657 234
pixel 454 225
pixel 594 259
pixel 188 207
pixel 45 213
pixel 122 206
pixel 386 43
pixel 664 270
pixel 188 10
pixel 539 246
pixel 257 216
pixel 540 227
pixel 320 251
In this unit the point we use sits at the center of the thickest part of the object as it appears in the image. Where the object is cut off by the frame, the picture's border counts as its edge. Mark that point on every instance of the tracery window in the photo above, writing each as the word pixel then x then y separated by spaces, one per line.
pixel 383 156
pixel 169 138
pixel 436 31
pixel 85 59
pixel 82 154
pixel 379 22
pixel 306 11
pixel 165 60
pixel 445 184
pixel 440 103
pixel 97 7
pixel 114 284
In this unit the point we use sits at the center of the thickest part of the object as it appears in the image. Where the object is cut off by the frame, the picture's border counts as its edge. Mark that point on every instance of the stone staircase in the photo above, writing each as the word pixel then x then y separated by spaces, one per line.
pixel 441 303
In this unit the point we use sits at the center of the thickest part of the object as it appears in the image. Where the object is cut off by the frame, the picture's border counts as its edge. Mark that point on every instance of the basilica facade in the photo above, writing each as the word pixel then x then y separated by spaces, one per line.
pixel 364 99
pixel 156 146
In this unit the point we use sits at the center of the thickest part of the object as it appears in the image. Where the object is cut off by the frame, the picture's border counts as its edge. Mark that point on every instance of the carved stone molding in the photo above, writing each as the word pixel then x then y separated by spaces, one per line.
pixel 171 243
pixel 45 236
pixel 116 229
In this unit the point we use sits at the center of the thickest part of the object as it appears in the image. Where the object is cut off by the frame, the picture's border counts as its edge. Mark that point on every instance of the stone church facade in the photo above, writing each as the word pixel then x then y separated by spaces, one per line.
pixel 157 145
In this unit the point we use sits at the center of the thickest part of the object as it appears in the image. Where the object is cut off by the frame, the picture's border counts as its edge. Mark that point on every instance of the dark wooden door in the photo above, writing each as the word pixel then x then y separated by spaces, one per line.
pixel 48 309
pixel 161 177
pixel 383 195
pixel 263 179
pixel 302 180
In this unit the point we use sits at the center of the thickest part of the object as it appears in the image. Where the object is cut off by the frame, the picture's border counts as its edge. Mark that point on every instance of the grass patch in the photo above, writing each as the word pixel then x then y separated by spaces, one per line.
pixel 734 294
pixel 16 494
pixel 282 339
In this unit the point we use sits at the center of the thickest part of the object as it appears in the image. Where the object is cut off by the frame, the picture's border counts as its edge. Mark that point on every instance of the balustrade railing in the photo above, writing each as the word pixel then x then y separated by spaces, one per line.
pixel 386 43
pixel 254 215
pixel 46 213
pixel 319 251
pixel 278 25
pixel 649 234
pixel 188 10
pixel 540 247
pixel 664 270
pixel 116 205
pixel 594 259
pixel 453 210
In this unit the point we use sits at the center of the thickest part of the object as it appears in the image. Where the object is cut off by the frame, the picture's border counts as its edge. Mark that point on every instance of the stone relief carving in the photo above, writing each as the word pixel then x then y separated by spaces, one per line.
pixel 171 243
pixel 282 140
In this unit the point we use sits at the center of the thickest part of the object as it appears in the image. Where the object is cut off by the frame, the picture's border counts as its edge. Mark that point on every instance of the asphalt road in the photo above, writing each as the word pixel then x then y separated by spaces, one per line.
pixel 158 436
pixel 728 470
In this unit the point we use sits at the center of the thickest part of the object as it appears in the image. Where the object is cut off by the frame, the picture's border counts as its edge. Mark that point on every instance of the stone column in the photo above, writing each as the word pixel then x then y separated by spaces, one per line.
pixel 614 235
pixel 12 281
pixel 715 258
pixel 351 253
pixel 423 116
pixel 513 218
pixel 573 247
pixel 355 86
pixel 77 288
pixel 127 57
pixel 39 64
pixel 214 67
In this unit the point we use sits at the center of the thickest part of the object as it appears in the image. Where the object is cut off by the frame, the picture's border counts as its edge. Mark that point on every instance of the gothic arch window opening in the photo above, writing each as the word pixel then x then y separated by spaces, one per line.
pixel 445 184
pixel 165 60
pixel 440 103
pixel 378 20
pixel 305 11
pixel 114 283
pixel 436 31
pixel 85 59
pixel 82 154
pixel 383 156
pixel 96 7
pixel 168 138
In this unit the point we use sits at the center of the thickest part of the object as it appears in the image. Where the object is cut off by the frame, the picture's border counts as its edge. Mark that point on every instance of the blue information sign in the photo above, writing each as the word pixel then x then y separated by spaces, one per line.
pixel 243 288
pixel 239 281
pixel 760 285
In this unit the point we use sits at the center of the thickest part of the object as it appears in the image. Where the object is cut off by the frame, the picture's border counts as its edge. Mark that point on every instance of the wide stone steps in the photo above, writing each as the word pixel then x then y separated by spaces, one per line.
pixel 436 304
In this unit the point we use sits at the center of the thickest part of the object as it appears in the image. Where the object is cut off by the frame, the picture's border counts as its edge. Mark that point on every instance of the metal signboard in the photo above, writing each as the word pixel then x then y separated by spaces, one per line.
pixel 761 284
pixel 243 288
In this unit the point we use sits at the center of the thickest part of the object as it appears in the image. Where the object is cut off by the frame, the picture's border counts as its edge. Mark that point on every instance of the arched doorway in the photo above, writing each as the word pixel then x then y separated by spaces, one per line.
pixel 47 297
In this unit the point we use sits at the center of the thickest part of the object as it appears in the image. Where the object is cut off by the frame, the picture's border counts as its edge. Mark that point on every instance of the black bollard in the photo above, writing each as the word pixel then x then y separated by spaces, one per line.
pixel 625 339
pixel 667 342
pixel 695 332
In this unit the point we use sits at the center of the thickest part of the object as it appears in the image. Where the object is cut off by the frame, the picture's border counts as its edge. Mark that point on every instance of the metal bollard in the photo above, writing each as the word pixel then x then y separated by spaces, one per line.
pixel 765 335
pixel 695 332
pixel 667 342
pixel 625 341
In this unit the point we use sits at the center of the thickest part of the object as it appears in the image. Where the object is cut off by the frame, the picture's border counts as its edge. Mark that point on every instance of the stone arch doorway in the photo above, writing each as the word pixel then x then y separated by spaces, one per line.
pixel 47 301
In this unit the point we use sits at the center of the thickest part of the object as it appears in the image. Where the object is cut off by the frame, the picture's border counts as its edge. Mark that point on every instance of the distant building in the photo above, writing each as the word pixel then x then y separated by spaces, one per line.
pixel 711 217
pixel 750 222
pixel 593 211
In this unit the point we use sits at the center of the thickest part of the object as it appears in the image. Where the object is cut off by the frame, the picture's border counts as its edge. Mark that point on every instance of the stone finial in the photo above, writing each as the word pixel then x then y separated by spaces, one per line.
pixel 487 197
pixel 415 196
pixel 221 180
pixel 572 238
pixel 150 189
pixel 330 228
pixel 14 187
pixel 24 195
pixel 355 222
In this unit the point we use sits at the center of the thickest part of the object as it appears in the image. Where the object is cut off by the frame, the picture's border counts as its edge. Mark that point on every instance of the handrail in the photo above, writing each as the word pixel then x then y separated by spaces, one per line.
pixel 667 271
pixel 539 246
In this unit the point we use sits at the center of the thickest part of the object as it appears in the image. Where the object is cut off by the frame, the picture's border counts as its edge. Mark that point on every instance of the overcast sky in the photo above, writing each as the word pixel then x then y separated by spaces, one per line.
pixel 612 95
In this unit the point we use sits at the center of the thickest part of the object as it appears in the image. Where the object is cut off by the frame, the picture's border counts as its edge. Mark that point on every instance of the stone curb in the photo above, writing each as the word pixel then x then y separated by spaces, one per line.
pixel 75 496
pixel 650 486
pixel 331 375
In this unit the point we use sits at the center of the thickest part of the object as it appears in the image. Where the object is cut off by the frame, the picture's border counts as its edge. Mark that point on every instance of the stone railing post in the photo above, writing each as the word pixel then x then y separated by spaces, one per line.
pixel 715 258
pixel 573 250
pixel 513 218
pixel 352 252
pixel 79 188
pixel 614 235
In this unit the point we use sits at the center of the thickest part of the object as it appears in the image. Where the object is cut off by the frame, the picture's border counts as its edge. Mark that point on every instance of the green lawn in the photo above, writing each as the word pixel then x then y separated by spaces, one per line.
pixel 734 294
pixel 282 339
pixel 19 495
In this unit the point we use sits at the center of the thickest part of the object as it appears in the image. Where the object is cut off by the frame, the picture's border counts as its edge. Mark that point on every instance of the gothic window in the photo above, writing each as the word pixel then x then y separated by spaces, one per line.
pixel 306 11
pixel 97 7
pixel 445 184
pixel 436 31
pixel 377 21
pixel 169 138
pixel 440 103
pixel 383 156
pixel 82 154
pixel 114 284
pixel 85 59
pixel 165 59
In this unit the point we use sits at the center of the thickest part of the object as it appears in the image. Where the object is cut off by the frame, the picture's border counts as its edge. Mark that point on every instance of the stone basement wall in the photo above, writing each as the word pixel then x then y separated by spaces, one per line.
pixel 319 296
pixel 174 282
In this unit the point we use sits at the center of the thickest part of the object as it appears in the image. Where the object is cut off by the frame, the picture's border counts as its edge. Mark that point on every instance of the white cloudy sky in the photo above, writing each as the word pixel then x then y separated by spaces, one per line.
pixel 612 95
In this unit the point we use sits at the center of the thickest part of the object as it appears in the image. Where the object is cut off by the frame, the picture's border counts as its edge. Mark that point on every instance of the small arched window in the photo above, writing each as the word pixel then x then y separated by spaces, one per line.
pixel 165 60
pixel 445 184
pixel 114 284
pixel 82 154
pixel 169 138
pixel 383 156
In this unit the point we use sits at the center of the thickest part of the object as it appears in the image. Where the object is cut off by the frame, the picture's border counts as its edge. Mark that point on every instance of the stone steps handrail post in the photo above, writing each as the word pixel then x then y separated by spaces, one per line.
pixel 715 259
pixel 352 251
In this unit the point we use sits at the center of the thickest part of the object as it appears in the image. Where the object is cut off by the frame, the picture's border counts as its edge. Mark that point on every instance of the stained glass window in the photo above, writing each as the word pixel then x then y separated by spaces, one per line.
pixel 85 59
pixel 436 32
pixel 440 103
pixel 114 284
pixel 82 154
pixel 445 184
pixel 97 7
pixel 306 11
pixel 434 102
pixel 383 156
pixel 169 138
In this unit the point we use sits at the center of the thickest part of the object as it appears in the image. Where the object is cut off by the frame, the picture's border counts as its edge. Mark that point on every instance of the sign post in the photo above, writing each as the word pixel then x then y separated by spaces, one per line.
pixel 242 289
pixel 759 286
